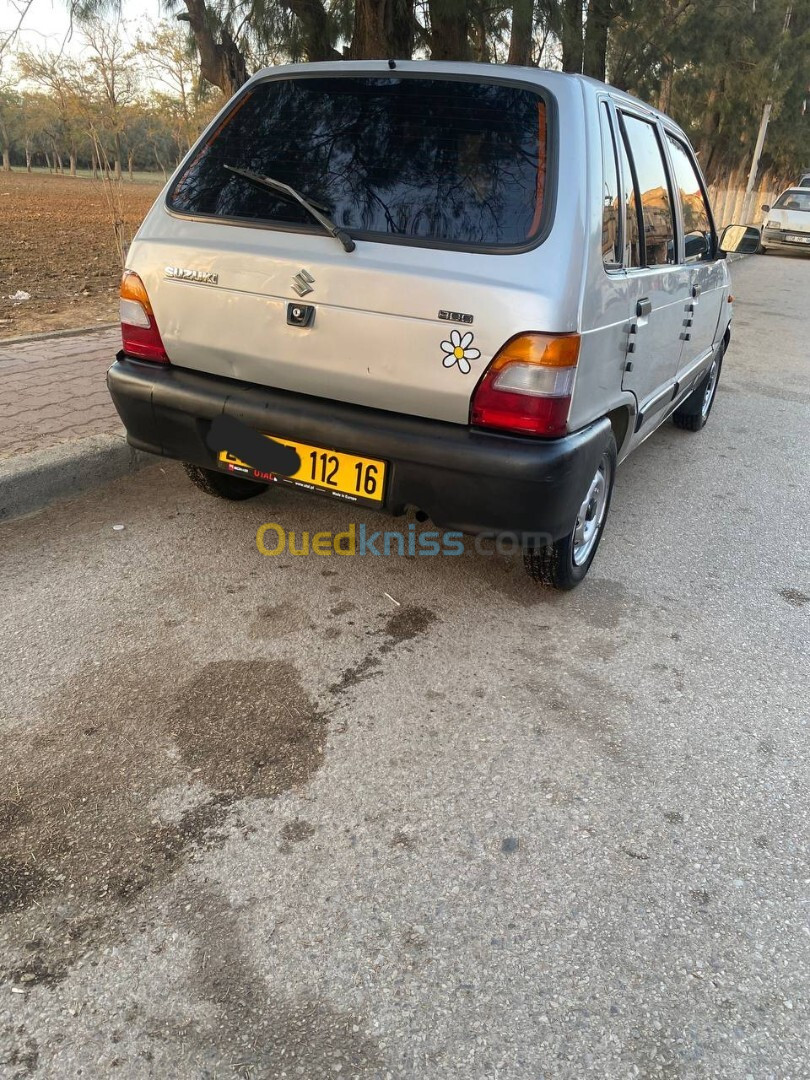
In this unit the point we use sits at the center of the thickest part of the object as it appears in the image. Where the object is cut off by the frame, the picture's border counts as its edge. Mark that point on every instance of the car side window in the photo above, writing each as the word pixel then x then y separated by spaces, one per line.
pixel 611 233
pixel 697 223
pixel 653 185
pixel 632 247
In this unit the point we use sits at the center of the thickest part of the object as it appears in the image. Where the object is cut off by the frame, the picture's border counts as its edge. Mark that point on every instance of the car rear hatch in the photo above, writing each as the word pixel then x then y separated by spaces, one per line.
pixel 440 181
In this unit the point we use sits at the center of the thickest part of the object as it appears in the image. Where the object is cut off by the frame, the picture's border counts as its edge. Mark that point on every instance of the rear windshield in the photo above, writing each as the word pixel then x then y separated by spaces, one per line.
pixel 793 200
pixel 453 162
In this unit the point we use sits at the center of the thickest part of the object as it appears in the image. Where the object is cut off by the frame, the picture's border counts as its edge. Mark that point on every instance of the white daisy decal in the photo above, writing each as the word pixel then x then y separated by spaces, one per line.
pixel 457 351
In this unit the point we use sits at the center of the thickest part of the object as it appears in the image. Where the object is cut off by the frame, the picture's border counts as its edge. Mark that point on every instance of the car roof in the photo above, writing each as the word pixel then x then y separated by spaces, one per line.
pixel 793 191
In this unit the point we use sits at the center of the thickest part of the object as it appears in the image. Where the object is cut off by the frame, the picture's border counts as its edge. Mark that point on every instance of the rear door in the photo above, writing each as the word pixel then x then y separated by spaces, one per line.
pixel 660 288
pixel 441 181
pixel 707 278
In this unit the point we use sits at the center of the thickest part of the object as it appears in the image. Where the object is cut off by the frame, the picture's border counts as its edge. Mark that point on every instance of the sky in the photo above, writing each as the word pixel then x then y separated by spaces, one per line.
pixel 47 23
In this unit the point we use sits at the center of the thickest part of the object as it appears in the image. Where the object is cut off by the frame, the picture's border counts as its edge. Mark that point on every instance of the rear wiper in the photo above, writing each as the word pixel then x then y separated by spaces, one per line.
pixel 314 209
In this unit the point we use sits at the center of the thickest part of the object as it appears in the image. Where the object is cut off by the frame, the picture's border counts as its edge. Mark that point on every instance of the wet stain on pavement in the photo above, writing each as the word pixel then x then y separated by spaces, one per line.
pixel 402 626
pixel 294 832
pixel 81 839
pixel 407 623
pixel 367 668
pixel 20 883
pixel 401 839
pixel 794 597
pixel 259 1030
pixel 23 1059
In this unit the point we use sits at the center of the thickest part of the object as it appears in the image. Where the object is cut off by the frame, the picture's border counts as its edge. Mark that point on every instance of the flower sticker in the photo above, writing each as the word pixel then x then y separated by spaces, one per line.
pixel 457 351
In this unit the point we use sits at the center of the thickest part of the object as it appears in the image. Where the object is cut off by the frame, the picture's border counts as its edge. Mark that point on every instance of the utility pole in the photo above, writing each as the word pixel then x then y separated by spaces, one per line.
pixel 766 116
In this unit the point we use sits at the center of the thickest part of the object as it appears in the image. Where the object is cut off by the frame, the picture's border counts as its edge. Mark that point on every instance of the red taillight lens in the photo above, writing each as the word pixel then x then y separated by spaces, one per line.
pixel 528 385
pixel 139 330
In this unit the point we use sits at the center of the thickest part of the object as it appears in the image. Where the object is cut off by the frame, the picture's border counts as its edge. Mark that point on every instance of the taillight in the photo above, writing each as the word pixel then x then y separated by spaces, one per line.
pixel 528 385
pixel 139 330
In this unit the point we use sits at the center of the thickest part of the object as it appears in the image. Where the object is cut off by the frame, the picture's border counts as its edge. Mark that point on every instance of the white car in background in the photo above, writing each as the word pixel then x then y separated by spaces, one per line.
pixel 787 222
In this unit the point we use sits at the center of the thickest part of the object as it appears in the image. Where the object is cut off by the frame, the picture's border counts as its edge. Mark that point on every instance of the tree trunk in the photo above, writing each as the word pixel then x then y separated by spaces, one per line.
pixel 402 28
pixel 710 127
pixel 572 35
pixel 6 160
pixel 449 30
pixel 48 160
pixel 118 155
pixel 370 38
pixel 72 162
pixel 222 63
pixel 27 156
pixel 383 29
pixel 667 82
pixel 130 159
pixel 520 39
pixel 596 39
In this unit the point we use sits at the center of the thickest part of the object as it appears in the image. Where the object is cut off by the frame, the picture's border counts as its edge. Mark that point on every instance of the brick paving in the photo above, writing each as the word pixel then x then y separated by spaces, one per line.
pixel 54 389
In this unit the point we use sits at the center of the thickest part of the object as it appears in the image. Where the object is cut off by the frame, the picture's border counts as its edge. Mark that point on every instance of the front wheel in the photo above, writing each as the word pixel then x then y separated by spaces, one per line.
pixel 223 485
pixel 565 563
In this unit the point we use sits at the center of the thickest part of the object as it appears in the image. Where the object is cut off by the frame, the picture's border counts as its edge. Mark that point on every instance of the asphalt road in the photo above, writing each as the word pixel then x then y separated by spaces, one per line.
pixel 259 820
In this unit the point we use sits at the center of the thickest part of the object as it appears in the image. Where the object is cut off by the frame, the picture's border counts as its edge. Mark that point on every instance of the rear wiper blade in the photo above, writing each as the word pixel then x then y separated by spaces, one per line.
pixel 314 209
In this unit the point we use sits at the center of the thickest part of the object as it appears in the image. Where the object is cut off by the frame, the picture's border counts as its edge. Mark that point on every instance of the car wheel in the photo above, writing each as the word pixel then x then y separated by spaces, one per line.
pixel 565 563
pixel 223 485
pixel 763 250
pixel 693 414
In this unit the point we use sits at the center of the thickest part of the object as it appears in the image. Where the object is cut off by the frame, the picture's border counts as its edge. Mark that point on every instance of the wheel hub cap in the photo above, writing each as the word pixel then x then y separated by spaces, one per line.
pixel 708 393
pixel 591 514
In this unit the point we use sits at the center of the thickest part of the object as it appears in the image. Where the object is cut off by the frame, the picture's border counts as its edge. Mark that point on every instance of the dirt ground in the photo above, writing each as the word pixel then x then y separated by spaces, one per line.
pixel 57 243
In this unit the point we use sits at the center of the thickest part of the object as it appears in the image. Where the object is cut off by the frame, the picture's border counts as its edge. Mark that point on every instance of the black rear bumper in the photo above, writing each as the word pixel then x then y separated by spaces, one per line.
pixel 463 479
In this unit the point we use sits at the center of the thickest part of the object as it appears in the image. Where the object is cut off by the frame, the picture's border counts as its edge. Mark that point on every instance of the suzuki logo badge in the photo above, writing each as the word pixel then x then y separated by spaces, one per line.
pixel 303 282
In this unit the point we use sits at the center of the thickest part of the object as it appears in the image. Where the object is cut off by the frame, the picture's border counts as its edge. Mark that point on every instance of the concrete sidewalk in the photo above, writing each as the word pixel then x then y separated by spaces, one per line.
pixel 53 390
pixel 59 432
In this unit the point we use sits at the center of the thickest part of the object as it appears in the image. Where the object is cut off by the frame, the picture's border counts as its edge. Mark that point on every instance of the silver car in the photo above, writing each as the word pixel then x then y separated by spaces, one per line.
pixel 465 290
pixel 787 222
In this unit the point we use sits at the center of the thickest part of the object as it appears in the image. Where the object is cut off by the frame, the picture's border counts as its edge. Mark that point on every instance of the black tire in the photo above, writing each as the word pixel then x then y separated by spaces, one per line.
pixel 556 564
pixel 763 250
pixel 695 411
pixel 223 485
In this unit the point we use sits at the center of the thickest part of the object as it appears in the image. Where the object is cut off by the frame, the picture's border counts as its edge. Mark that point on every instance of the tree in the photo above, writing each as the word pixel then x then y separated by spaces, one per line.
pixel 712 66
pixel 112 78
pixel 172 62
pixel 9 113
pixel 60 77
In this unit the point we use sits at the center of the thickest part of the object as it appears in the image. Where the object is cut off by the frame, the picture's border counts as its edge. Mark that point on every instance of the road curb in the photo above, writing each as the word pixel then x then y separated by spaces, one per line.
pixel 29 482
pixel 56 334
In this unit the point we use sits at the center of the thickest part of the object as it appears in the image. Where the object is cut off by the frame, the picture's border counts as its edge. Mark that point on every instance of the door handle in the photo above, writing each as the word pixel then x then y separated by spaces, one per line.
pixel 643 307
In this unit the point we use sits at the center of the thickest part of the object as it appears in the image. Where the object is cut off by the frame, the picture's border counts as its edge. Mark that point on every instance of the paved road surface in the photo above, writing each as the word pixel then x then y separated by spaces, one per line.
pixel 260 821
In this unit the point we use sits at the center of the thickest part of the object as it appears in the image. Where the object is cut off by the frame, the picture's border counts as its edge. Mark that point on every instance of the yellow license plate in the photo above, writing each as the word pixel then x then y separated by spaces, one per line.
pixel 354 479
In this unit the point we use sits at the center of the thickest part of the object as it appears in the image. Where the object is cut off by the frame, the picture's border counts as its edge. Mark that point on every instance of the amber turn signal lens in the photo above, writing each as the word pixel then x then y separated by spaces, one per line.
pixel 540 349
pixel 132 288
